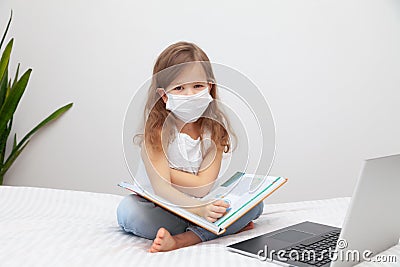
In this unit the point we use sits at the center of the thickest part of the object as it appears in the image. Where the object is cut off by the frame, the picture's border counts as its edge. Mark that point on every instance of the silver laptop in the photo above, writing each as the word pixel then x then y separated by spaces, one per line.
pixel 372 225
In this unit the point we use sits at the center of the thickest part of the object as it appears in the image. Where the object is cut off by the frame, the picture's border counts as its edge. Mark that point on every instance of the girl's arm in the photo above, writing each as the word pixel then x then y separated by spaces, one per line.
pixel 199 185
pixel 157 169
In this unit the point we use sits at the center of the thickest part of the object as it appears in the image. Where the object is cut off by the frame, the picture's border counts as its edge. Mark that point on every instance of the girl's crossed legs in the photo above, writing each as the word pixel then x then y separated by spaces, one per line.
pixel 143 218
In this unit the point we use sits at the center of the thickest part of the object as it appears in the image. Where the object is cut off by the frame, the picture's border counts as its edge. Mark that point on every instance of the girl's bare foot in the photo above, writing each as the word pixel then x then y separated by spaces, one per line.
pixel 249 226
pixel 165 242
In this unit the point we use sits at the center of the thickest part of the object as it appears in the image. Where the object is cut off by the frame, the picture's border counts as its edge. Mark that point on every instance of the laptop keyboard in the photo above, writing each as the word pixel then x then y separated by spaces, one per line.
pixel 321 247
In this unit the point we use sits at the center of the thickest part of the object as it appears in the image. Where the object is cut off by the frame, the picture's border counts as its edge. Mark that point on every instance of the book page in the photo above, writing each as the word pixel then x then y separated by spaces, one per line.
pixel 245 192
pixel 239 194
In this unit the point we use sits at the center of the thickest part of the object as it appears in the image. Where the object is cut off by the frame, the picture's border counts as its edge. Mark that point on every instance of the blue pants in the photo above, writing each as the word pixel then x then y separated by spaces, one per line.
pixel 143 218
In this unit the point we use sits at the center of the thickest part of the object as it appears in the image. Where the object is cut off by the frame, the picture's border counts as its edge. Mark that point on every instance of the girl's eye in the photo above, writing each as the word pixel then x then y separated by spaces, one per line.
pixel 178 88
pixel 198 86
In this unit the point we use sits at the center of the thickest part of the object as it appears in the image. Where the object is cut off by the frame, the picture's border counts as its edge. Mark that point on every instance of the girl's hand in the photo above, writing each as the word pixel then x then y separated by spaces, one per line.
pixel 215 210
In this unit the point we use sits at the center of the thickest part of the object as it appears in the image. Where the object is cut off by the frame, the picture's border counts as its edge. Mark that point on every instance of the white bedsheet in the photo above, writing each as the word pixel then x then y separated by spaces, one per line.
pixel 51 227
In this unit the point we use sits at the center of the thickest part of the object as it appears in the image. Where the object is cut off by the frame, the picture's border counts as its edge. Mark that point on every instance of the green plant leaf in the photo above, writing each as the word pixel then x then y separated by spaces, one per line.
pixel 13 156
pixel 50 118
pixel 12 100
pixel 5 57
pixel 15 141
pixel 3 140
pixel 5 32
pixel 3 143
pixel 3 87
pixel 17 148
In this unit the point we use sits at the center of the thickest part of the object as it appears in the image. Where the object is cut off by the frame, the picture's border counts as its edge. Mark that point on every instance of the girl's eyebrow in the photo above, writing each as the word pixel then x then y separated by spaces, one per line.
pixel 186 83
pixel 177 84
pixel 174 85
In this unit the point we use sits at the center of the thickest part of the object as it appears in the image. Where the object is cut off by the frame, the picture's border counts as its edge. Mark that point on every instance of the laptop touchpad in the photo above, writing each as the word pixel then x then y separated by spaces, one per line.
pixel 291 236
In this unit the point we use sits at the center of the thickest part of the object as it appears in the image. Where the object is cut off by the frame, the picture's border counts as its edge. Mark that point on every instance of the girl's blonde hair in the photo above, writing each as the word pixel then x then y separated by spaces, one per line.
pixel 157 130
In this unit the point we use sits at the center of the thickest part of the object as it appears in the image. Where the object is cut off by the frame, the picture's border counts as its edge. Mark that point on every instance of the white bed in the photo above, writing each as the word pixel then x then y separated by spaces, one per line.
pixel 51 227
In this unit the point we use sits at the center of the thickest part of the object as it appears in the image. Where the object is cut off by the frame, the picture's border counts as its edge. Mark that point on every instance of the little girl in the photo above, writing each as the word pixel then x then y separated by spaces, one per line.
pixel 185 135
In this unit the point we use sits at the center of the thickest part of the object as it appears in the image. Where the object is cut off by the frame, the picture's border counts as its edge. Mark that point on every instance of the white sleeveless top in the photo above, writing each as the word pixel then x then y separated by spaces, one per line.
pixel 183 153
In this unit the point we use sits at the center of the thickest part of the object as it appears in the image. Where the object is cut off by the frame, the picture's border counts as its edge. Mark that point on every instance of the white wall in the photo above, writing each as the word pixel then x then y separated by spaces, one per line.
pixel 329 69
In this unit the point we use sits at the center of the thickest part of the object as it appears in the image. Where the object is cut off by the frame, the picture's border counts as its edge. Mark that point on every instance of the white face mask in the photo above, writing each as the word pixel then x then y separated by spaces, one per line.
pixel 189 108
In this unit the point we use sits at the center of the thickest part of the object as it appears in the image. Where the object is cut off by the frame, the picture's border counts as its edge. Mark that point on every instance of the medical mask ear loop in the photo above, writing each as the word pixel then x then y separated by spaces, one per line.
pixel 165 92
pixel 161 96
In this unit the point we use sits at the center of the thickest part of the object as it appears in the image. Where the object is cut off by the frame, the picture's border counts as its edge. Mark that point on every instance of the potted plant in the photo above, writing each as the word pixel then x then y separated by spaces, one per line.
pixel 11 91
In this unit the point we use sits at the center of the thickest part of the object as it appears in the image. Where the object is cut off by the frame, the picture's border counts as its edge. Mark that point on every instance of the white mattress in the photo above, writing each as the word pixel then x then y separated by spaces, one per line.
pixel 51 227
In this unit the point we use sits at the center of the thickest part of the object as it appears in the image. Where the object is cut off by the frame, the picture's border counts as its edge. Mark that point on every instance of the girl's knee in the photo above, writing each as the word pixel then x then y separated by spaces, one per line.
pixel 131 216
pixel 259 209
pixel 261 206
pixel 127 210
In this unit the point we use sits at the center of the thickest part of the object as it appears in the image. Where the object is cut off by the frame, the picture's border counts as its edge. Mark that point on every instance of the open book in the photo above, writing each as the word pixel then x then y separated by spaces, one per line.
pixel 243 192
